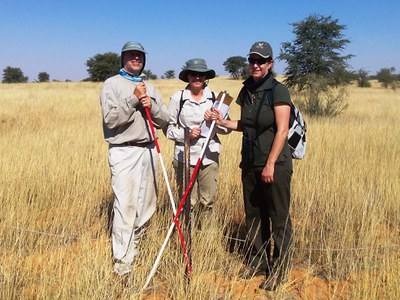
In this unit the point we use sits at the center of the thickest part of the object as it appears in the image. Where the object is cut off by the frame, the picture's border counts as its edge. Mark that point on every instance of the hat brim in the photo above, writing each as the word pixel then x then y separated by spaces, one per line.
pixel 184 74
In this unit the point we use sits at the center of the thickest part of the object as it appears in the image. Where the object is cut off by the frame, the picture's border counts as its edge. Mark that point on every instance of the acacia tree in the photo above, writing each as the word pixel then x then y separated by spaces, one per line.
pixel 315 50
pixel 170 74
pixel 102 66
pixel 387 77
pixel 315 54
pixel 43 77
pixel 236 66
pixel 13 75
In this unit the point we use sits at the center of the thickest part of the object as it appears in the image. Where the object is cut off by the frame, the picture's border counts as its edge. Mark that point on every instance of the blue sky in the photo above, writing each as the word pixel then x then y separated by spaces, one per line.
pixel 58 37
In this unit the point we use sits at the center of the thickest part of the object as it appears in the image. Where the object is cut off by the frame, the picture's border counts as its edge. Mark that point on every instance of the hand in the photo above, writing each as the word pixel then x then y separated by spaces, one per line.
pixel 216 116
pixel 140 90
pixel 145 101
pixel 267 174
pixel 194 133
pixel 208 116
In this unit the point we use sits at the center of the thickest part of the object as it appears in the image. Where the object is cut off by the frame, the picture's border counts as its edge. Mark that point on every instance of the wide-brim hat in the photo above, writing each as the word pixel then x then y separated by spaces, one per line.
pixel 196 65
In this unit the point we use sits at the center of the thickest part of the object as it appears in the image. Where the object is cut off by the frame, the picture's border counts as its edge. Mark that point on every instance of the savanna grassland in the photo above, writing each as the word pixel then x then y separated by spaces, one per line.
pixel 56 204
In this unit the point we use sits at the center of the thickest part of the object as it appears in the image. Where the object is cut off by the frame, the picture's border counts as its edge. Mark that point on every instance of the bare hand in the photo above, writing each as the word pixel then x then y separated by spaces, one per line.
pixel 140 90
pixel 216 115
pixel 145 101
pixel 208 116
pixel 194 133
pixel 267 174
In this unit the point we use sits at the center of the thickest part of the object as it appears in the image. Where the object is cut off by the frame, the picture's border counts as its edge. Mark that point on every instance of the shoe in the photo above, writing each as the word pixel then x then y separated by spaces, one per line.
pixel 248 272
pixel 272 283
pixel 122 269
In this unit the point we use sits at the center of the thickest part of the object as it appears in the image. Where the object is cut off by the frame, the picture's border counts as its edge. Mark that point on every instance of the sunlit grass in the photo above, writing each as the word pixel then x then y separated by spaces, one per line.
pixel 56 197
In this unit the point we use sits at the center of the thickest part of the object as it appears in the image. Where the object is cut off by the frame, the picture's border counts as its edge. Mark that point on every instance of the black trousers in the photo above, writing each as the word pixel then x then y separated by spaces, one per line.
pixel 267 219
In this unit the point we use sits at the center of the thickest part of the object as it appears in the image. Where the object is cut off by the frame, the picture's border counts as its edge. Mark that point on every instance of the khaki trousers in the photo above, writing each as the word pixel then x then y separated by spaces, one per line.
pixel 204 187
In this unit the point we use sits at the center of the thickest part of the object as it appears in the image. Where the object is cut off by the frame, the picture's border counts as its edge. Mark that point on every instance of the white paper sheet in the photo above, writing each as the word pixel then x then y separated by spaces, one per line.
pixel 205 127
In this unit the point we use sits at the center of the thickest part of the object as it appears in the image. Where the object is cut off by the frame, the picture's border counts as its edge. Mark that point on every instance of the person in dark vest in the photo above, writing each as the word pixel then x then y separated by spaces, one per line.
pixel 266 169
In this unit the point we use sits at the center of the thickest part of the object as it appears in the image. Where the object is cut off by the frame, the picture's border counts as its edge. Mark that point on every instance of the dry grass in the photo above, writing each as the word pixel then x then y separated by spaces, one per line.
pixel 55 194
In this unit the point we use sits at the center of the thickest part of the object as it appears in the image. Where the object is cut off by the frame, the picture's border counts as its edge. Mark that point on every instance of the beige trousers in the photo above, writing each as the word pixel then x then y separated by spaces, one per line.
pixel 134 183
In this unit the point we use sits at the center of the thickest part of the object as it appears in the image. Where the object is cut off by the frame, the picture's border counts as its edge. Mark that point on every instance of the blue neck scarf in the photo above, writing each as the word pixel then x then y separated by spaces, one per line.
pixel 128 76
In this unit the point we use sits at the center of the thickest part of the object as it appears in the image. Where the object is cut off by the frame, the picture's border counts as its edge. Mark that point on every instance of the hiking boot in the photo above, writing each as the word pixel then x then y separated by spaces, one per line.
pixel 272 283
pixel 248 272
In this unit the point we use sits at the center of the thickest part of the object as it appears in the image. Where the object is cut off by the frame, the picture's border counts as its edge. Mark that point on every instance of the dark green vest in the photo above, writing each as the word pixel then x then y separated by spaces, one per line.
pixel 258 124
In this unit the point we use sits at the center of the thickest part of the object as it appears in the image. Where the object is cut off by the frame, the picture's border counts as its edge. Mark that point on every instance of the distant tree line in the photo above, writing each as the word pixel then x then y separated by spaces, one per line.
pixel 15 75
pixel 315 67
pixel 236 66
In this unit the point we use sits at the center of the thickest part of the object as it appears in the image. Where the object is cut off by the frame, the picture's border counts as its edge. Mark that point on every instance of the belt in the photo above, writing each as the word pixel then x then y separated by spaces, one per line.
pixel 135 144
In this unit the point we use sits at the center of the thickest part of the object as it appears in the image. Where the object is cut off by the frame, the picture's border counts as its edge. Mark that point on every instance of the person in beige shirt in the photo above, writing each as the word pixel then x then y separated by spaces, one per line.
pixel 132 154
pixel 186 110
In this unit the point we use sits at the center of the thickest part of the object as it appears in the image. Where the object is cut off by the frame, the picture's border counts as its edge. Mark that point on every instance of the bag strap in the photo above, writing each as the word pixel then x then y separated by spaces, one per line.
pixel 182 102
pixel 213 97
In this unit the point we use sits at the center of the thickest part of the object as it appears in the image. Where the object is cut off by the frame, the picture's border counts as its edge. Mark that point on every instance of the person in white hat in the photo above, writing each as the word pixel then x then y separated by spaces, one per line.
pixel 186 109
pixel 132 154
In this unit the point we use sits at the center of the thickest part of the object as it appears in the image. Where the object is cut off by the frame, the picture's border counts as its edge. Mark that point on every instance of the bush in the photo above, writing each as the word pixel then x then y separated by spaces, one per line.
pixel 318 99
pixel 388 78
pixel 362 79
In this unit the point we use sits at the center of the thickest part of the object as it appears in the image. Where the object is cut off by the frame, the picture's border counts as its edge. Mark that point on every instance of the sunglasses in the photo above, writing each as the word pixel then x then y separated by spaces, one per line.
pixel 196 74
pixel 258 61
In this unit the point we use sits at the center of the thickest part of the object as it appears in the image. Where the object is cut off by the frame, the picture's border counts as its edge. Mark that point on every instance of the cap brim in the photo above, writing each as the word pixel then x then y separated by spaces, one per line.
pixel 258 53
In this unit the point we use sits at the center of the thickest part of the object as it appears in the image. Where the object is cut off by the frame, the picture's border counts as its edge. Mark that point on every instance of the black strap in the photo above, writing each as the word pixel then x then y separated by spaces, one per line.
pixel 182 102
pixel 213 97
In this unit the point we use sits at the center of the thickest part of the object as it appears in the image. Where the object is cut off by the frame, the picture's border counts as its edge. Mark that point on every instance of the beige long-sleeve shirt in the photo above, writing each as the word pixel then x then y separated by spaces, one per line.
pixel 192 116
pixel 124 118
